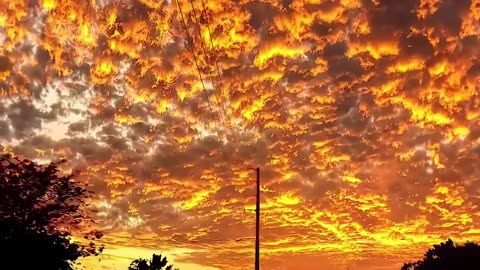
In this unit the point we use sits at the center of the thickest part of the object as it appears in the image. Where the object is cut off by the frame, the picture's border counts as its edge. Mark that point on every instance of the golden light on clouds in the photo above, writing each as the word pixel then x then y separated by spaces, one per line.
pixel 363 115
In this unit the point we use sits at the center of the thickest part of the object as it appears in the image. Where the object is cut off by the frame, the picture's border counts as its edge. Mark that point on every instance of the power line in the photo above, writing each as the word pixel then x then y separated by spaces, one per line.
pixel 215 85
pixel 197 24
pixel 192 49
pixel 257 208
pixel 204 10
pixel 219 73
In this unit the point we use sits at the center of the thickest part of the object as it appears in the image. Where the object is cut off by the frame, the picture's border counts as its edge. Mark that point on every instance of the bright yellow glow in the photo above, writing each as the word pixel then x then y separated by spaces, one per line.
pixel 49 4
pixel 267 54
pixel 351 179
pixel 288 199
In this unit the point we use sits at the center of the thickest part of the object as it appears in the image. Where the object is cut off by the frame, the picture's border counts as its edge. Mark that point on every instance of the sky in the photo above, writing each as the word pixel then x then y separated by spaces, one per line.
pixel 363 116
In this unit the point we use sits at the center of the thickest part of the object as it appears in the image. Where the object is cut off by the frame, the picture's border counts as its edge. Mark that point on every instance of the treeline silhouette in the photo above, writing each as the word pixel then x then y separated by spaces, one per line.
pixel 448 256
pixel 156 263
pixel 40 206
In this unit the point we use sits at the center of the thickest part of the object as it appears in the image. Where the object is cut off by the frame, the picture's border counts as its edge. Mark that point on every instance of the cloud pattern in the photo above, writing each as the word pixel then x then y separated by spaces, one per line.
pixel 363 115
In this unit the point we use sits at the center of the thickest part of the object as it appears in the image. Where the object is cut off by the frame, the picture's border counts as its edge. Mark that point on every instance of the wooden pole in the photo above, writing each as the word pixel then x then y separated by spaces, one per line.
pixel 257 231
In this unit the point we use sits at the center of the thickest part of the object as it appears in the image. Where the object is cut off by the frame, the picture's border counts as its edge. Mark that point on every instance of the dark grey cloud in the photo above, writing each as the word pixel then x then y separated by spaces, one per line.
pixel 449 15
pixel 5 63
pixel 89 148
pixel 78 127
pixel 24 118
pixel 262 14
pixel 5 131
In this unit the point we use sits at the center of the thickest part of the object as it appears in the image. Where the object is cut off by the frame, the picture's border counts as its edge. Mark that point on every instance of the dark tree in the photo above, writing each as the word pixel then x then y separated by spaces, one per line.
pixel 38 209
pixel 447 256
pixel 156 263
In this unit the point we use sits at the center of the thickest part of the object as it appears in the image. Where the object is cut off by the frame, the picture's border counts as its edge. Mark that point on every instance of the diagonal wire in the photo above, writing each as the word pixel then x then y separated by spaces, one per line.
pixel 204 10
pixel 219 73
pixel 215 86
pixel 204 49
pixel 192 49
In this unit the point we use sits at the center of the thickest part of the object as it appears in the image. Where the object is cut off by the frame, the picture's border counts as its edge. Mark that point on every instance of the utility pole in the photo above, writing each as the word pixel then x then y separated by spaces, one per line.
pixel 257 227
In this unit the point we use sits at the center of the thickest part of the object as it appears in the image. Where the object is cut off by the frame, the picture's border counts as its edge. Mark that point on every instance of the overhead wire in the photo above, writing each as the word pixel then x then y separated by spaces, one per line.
pixel 192 49
pixel 219 74
pixel 197 24
pixel 198 69
pixel 215 85
pixel 204 10
pixel 217 67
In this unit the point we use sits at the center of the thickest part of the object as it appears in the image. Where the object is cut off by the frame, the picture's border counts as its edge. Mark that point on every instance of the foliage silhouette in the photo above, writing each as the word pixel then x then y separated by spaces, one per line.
pixel 38 209
pixel 447 256
pixel 156 263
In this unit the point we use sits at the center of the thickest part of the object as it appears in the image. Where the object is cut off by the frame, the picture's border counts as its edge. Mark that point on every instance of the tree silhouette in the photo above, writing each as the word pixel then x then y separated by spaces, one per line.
pixel 448 256
pixel 38 208
pixel 156 263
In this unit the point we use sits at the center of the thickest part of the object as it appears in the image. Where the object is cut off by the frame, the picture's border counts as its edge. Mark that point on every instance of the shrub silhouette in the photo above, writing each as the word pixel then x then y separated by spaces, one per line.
pixel 447 256
pixel 156 263
pixel 38 208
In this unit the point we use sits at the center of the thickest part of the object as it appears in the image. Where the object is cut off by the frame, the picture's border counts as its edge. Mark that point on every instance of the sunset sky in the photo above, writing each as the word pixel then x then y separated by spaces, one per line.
pixel 363 116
